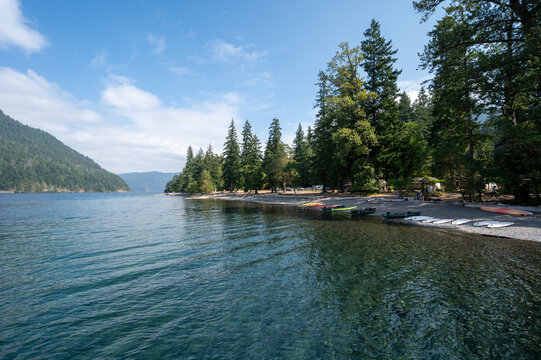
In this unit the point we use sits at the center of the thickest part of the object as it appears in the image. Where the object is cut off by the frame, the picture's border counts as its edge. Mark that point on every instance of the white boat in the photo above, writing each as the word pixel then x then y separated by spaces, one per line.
pixel 418 218
pixel 430 220
pixel 461 221
pixel 485 223
pixel 500 224
pixel 442 221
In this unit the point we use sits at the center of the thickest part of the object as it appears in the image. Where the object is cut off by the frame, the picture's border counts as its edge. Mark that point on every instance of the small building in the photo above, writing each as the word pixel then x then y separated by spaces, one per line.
pixel 427 184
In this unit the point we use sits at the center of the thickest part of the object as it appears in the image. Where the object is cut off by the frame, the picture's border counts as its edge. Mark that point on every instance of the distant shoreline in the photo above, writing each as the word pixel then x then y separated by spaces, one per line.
pixel 525 227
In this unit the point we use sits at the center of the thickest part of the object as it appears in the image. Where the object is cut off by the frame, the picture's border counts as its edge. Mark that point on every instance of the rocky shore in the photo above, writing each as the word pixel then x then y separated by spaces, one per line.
pixel 524 228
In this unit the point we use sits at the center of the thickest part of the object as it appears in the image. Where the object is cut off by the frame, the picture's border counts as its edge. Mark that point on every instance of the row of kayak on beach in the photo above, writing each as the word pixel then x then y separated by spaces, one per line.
pixel 354 211
pixel 334 208
pixel 436 221
pixel 411 215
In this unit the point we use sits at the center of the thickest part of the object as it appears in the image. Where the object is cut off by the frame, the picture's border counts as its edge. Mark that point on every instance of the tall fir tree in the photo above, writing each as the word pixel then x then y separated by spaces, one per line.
pixel 322 144
pixel 352 135
pixel 498 41
pixel 382 108
pixel 231 163
pixel 275 157
pixel 301 157
pixel 252 176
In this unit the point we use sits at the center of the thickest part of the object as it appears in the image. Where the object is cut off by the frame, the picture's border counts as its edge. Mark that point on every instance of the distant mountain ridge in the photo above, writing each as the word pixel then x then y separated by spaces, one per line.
pixel 147 182
pixel 32 160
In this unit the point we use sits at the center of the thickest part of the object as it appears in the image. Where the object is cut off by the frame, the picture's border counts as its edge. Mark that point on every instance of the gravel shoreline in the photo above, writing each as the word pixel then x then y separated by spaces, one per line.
pixel 525 227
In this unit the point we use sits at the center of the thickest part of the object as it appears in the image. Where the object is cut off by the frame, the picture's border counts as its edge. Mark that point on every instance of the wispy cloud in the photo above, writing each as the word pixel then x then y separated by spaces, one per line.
pixel 15 29
pixel 100 58
pixel 130 129
pixel 158 42
pixel 179 70
pixel 226 52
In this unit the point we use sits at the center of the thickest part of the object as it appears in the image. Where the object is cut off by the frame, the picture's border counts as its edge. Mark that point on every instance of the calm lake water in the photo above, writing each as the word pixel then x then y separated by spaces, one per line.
pixel 144 276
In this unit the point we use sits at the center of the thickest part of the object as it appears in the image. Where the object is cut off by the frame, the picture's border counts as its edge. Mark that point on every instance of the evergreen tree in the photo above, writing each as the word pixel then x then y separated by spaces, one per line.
pixel 405 110
pixel 352 135
pixel 252 176
pixel 382 109
pixel 213 163
pixel 322 144
pixel 275 158
pixel 498 42
pixel 422 113
pixel 301 157
pixel 231 163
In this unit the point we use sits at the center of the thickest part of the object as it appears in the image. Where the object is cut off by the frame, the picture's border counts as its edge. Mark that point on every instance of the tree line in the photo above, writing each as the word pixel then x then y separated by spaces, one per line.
pixel 476 121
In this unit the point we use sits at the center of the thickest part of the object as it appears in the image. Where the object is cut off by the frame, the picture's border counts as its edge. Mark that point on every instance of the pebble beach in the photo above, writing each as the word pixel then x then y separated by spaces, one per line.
pixel 524 227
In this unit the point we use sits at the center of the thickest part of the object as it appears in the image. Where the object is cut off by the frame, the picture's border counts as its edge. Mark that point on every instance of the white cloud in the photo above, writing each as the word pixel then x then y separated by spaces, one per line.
pixel 226 52
pixel 100 58
pixel 14 28
pixel 179 70
pixel 412 87
pixel 158 42
pixel 129 130
pixel 128 97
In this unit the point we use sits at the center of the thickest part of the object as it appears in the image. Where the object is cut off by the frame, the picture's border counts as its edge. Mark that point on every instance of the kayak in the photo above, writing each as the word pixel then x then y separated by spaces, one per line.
pixel 401 215
pixel 493 224
pixel 461 221
pixel 330 207
pixel 311 204
pixel 364 211
pixel 315 205
pixel 419 218
pixel 505 211
pixel 501 224
pixel 442 221
pixel 344 208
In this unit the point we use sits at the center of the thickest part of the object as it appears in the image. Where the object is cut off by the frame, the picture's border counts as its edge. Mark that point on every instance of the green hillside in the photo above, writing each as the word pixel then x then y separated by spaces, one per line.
pixel 31 160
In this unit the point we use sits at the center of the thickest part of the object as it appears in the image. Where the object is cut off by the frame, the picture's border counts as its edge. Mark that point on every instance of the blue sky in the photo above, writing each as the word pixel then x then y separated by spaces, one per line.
pixel 132 83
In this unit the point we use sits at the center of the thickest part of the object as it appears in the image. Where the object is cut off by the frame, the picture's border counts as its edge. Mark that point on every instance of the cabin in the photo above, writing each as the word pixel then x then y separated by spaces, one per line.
pixel 427 184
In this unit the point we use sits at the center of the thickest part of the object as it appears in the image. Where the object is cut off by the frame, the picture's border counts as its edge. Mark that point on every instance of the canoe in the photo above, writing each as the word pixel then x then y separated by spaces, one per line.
pixel 344 208
pixel 330 207
pixel 461 221
pixel 401 215
pixel 364 211
pixel 505 211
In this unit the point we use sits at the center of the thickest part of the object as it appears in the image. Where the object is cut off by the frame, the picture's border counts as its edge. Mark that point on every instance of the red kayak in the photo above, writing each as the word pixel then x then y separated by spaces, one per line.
pixel 504 211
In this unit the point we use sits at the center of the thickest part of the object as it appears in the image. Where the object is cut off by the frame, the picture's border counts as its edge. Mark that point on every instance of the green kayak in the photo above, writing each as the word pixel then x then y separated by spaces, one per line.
pixel 344 208
pixel 364 211
pixel 401 215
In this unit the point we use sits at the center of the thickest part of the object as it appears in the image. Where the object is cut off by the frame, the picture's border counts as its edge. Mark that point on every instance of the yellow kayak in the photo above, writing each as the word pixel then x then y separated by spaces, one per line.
pixel 344 208
pixel 311 204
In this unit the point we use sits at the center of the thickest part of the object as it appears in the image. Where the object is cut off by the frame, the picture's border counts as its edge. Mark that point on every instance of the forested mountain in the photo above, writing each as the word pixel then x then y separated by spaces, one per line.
pixel 31 160
pixel 147 182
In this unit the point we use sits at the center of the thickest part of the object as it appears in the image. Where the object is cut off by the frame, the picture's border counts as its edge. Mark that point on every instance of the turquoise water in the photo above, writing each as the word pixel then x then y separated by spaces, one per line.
pixel 141 276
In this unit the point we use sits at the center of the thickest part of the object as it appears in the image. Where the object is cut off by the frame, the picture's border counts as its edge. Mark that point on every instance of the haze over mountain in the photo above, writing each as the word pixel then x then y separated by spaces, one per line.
pixel 147 182
pixel 32 160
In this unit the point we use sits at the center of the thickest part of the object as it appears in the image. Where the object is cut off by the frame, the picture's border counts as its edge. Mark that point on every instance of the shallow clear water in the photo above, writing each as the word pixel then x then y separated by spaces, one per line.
pixel 142 276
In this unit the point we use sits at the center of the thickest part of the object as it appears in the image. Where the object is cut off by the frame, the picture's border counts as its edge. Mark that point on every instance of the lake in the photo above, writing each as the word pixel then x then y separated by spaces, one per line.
pixel 150 276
